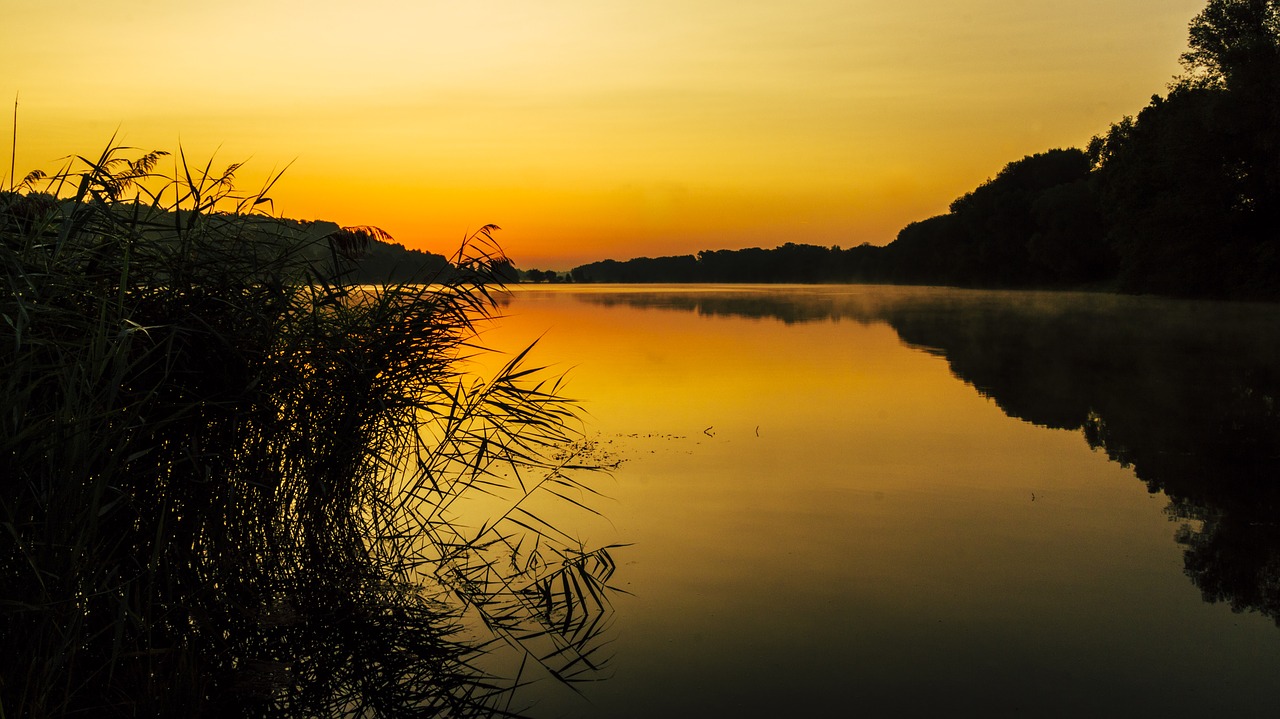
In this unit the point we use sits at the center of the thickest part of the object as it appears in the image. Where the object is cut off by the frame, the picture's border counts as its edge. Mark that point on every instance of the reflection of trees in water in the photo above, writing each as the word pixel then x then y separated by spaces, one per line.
pixel 1184 393
pixel 728 304
pixel 1234 555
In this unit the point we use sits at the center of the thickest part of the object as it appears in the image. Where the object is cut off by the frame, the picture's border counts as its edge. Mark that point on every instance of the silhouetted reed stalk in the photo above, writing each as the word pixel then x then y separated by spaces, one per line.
pixel 229 478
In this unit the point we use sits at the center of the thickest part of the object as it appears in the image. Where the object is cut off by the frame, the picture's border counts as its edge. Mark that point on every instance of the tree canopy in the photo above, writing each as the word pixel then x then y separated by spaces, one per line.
pixel 1181 199
pixel 1234 44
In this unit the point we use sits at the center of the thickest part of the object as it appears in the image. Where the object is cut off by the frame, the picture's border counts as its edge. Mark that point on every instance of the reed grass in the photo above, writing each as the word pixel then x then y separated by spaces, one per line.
pixel 231 479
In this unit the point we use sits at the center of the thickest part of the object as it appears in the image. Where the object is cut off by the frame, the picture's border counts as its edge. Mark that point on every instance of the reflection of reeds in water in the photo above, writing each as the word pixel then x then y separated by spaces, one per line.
pixel 228 476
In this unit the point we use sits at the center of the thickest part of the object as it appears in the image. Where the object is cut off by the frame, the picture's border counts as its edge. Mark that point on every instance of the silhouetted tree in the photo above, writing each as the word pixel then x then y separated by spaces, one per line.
pixel 1170 199
pixel 1037 222
pixel 1183 199
pixel 1234 45
pixel 1191 186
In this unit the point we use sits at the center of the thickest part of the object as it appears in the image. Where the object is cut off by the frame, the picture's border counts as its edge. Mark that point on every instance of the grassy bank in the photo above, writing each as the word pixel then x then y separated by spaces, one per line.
pixel 229 475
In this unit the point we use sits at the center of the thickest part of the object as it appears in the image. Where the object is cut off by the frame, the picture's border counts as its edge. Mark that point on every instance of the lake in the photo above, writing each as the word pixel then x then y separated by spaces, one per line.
pixel 914 502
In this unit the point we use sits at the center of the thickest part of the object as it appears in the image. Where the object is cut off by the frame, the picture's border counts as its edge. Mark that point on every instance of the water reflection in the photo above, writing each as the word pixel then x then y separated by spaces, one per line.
pixel 1184 393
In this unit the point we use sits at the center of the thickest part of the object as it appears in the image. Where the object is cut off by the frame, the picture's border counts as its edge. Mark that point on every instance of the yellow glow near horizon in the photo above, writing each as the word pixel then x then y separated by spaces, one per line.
pixel 592 130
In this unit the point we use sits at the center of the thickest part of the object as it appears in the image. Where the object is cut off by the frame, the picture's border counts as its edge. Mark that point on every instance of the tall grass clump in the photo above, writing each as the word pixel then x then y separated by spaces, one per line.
pixel 231 481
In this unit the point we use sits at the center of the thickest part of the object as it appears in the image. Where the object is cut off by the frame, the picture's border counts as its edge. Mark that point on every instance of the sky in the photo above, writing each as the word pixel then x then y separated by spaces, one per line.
pixel 586 129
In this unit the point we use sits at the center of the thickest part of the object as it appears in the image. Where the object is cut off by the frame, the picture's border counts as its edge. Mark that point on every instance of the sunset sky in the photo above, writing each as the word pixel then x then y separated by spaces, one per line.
pixel 590 130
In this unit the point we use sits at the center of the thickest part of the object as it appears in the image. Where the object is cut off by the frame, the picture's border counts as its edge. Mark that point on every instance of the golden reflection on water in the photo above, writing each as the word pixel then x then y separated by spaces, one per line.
pixel 824 518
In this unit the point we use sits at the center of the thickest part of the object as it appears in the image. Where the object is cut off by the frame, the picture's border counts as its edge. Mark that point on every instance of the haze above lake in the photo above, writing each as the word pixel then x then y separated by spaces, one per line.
pixel 900 501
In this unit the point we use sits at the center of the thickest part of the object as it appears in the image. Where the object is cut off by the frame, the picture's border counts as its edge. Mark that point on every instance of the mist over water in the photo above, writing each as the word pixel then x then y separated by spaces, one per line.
pixel 913 501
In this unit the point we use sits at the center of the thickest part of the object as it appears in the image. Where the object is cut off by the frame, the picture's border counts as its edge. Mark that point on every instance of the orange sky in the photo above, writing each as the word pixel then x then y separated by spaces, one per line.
pixel 591 129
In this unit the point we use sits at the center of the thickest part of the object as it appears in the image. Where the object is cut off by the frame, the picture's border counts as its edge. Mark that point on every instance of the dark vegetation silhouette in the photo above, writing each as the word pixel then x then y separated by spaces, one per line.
pixel 1182 199
pixel 1183 392
pixel 1185 395
pixel 536 276
pixel 234 481
pixel 386 261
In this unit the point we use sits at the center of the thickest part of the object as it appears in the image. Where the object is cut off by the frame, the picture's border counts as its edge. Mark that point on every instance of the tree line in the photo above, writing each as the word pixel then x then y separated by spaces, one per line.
pixel 1181 199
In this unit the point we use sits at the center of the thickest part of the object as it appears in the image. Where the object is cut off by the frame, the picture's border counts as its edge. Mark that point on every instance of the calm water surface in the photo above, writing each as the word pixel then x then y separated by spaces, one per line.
pixel 918 502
